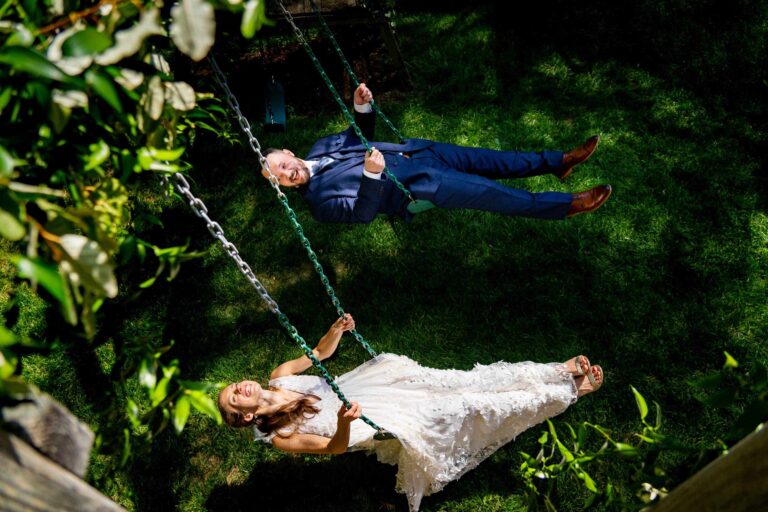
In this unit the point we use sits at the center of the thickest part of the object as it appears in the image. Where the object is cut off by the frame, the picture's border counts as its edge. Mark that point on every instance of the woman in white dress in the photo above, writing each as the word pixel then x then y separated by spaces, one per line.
pixel 445 421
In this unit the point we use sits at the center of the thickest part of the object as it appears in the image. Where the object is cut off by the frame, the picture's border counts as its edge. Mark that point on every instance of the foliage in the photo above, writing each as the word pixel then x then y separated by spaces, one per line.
pixel 671 271
pixel 90 115
pixel 645 479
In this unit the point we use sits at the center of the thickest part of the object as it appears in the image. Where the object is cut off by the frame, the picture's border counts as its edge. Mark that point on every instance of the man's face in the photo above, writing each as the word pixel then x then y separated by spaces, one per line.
pixel 289 170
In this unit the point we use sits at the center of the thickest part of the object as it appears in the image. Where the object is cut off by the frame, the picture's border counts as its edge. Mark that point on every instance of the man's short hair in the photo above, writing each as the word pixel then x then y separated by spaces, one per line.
pixel 269 151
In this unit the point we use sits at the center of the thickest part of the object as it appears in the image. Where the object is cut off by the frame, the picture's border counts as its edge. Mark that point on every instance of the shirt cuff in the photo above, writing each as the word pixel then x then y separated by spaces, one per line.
pixel 365 108
pixel 371 175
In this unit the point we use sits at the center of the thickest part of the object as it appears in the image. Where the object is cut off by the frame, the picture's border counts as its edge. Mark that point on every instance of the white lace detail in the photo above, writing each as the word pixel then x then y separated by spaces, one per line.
pixel 446 421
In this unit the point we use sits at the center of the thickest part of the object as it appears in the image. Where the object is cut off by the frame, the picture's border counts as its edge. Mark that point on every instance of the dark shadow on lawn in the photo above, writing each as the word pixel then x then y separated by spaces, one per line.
pixel 353 481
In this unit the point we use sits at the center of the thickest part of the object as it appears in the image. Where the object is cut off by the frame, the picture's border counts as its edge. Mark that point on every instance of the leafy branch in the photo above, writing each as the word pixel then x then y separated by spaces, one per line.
pixel 90 116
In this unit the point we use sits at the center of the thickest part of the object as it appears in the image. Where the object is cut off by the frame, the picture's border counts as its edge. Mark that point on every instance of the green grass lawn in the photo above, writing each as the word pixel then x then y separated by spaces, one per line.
pixel 654 286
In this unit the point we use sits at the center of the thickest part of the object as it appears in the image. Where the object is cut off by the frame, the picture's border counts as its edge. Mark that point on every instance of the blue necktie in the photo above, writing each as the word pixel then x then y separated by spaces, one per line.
pixel 322 164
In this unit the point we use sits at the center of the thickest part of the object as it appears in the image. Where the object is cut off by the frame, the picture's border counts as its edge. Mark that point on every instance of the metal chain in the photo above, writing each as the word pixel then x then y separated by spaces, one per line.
pixel 351 73
pixel 350 118
pixel 182 187
pixel 256 147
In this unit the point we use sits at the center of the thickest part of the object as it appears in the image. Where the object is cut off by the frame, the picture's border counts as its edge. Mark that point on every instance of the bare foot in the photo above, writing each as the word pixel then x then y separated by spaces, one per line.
pixel 575 363
pixel 585 386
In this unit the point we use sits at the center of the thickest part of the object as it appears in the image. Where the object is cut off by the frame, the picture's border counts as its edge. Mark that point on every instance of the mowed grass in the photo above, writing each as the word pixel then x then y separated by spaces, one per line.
pixel 654 286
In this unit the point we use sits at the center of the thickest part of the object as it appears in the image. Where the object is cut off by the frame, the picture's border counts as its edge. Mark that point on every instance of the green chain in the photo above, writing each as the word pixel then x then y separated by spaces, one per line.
pixel 182 186
pixel 337 97
pixel 288 326
pixel 351 73
pixel 319 270
pixel 221 79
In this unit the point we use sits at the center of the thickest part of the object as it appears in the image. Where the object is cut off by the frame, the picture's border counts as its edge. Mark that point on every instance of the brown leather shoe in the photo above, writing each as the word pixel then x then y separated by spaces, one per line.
pixel 576 156
pixel 589 200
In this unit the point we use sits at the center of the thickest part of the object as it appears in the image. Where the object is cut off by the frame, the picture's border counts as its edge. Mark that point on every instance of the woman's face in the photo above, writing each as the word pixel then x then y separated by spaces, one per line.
pixel 242 397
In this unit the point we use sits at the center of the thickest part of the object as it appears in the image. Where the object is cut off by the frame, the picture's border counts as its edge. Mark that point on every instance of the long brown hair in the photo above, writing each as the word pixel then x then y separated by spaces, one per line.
pixel 291 414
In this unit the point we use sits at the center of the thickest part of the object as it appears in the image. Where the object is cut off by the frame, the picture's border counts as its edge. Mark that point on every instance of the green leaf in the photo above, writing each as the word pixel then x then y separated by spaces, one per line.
pixel 148 157
pixel 126 447
pixel 11 213
pixel 657 426
pixel 160 391
pixel 44 273
pixel 588 482
pixel 180 96
pixel 21 36
pixel 86 42
pixel 88 265
pixel 5 98
pixel 161 167
pixel 104 87
pixel 544 438
pixel 154 98
pixel 59 117
pixel 199 386
pixel 149 282
pixel 254 17
pixel 7 338
pixel 129 41
pixel 552 430
pixel 98 154
pixel 132 410
pixel 148 372
pixel 530 461
pixel 251 22
pixel 642 406
pixel 193 28
pixel 172 369
pixel 33 63
pixel 180 413
pixel 204 404
pixel 8 362
pixel 730 362
pixel 6 163
pixel 565 452
pixel 581 437
pixel 626 450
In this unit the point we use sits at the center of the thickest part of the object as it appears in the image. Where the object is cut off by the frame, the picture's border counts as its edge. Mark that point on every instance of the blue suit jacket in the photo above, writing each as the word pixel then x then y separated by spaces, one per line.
pixel 341 193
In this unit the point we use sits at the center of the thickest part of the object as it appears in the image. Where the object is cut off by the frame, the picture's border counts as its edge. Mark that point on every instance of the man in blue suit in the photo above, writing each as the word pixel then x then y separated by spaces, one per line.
pixel 342 182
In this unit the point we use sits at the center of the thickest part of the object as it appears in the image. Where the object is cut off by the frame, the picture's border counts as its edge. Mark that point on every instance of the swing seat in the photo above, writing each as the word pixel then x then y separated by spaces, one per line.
pixel 274 106
pixel 419 206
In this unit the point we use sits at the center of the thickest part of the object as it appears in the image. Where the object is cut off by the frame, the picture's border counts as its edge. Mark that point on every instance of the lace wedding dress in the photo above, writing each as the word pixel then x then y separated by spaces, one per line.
pixel 446 421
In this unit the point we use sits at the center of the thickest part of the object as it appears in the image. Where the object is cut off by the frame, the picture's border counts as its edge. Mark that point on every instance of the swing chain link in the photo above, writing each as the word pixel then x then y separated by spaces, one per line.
pixel 348 67
pixel 196 204
pixel 350 118
pixel 243 121
pixel 293 219
pixel 183 188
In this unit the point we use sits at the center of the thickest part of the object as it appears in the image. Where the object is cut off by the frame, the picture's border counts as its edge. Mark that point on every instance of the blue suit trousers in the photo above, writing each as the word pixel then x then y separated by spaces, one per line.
pixel 467 178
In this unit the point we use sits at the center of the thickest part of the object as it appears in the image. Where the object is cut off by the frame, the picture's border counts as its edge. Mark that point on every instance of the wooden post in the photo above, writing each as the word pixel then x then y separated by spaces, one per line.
pixel 735 482
pixel 30 481
pixel 44 453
